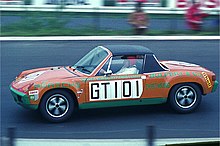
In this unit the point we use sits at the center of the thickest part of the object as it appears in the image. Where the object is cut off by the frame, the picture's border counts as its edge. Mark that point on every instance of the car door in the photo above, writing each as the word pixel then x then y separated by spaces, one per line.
pixel 157 86
pixel 115 88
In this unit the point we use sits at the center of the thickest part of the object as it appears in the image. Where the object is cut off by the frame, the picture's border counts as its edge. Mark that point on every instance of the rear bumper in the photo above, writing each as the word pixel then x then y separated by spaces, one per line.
pixel 22 99
pixel 215 86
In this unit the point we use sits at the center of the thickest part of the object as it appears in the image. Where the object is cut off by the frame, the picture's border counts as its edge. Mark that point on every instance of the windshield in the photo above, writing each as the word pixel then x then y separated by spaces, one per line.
pixel 91 60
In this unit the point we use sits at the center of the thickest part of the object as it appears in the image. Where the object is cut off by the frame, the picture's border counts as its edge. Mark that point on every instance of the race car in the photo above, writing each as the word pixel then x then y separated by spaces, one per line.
pixel 112 76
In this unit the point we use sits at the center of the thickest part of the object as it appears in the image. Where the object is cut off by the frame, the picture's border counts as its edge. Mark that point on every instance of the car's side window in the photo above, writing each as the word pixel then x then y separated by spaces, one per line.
pixel 127 64
pixel 153 65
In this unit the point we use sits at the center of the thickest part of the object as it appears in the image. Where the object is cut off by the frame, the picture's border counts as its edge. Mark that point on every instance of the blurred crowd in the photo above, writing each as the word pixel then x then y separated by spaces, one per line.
pixel 139 19
pixel 194 16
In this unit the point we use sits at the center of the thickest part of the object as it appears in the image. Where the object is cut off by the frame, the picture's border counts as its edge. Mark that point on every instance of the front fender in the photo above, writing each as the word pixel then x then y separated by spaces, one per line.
pixel 45 86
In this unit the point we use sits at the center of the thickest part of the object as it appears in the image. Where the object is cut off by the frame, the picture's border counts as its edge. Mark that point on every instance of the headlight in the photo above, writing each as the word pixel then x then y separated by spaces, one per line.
pixel 26 88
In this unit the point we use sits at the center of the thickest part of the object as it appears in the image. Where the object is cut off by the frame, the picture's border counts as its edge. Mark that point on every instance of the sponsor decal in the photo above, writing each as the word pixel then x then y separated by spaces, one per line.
pixel 31 76
pixel 163 75
pixel 34 95
pixel 57 85
pixel 196 74
pixel 182 63
pixel 157 85
pixel 174 74
pixel 209 84
pixel 114 90
pixel 111 77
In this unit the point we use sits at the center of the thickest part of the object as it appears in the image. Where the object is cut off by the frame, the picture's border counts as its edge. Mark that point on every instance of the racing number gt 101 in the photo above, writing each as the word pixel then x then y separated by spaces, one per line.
pixel 110 76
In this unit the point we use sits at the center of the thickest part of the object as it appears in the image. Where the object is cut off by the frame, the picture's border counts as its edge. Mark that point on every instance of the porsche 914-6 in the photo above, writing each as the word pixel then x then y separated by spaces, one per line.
pixel 110 76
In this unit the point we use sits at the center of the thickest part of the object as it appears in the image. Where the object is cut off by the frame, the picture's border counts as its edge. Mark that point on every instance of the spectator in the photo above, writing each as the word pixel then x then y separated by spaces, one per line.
pixel 194 16
pixel 138 20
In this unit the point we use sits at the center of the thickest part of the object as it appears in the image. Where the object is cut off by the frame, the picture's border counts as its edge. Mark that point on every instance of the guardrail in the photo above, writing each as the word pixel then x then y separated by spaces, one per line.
pixel 10 140
pixel 150 140
pixel 101 9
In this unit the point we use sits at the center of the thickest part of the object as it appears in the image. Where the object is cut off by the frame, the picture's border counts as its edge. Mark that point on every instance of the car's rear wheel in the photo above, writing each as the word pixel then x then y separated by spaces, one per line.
pixel 57 106
pixel 185 98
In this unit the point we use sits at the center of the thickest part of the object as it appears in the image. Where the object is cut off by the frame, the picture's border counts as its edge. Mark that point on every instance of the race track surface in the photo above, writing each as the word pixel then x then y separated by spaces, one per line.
pixel 123 122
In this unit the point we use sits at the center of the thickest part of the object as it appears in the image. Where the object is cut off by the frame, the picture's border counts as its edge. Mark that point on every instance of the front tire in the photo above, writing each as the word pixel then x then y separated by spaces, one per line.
pixel 57 106
pixel 185 98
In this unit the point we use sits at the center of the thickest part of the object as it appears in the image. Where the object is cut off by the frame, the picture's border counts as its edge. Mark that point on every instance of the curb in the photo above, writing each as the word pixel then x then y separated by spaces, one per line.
pixel 99 38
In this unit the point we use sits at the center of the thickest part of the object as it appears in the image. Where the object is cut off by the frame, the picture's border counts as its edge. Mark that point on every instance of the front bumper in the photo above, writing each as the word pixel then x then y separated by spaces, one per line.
pixel 215 86
pixel 22 99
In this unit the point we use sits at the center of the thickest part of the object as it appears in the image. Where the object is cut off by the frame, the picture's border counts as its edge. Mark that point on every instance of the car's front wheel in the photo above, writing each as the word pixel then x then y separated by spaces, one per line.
pixel 185 98
pixel 57 106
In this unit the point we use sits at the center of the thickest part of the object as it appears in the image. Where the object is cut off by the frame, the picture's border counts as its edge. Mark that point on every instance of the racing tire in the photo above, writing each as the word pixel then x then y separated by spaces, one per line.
pixel 185 98
pixel 57 106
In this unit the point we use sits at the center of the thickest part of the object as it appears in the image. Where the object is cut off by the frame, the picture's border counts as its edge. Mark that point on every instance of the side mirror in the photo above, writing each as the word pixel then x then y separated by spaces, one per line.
pixel 108 73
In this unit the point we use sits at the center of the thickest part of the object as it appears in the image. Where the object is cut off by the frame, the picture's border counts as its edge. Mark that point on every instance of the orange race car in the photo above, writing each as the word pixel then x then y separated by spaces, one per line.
pixel 110 76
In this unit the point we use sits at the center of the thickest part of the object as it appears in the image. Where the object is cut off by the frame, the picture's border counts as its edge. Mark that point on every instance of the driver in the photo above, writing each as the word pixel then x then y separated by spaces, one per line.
pixel 129 66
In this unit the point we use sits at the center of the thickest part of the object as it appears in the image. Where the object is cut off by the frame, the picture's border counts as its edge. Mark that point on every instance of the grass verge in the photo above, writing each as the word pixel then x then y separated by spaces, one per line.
pixel 62 31
pixel 50 24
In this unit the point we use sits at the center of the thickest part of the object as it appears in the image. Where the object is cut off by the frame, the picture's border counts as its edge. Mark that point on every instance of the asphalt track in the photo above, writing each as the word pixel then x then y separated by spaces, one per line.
pixel 126 122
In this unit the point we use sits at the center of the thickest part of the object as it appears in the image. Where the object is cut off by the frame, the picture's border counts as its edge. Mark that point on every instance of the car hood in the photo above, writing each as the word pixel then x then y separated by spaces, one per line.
pixel 42 74
pixel 180 65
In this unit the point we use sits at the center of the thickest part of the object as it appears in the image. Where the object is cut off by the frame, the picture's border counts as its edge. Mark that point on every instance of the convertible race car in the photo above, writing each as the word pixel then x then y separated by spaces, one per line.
pixel 110 76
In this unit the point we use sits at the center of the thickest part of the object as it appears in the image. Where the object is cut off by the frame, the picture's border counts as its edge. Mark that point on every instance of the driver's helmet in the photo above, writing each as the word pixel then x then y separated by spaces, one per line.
pixel 132 60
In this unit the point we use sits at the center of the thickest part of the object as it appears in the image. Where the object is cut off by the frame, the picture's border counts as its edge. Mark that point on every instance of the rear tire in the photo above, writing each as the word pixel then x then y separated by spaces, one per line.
pixel 57 106
pixel 185 98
